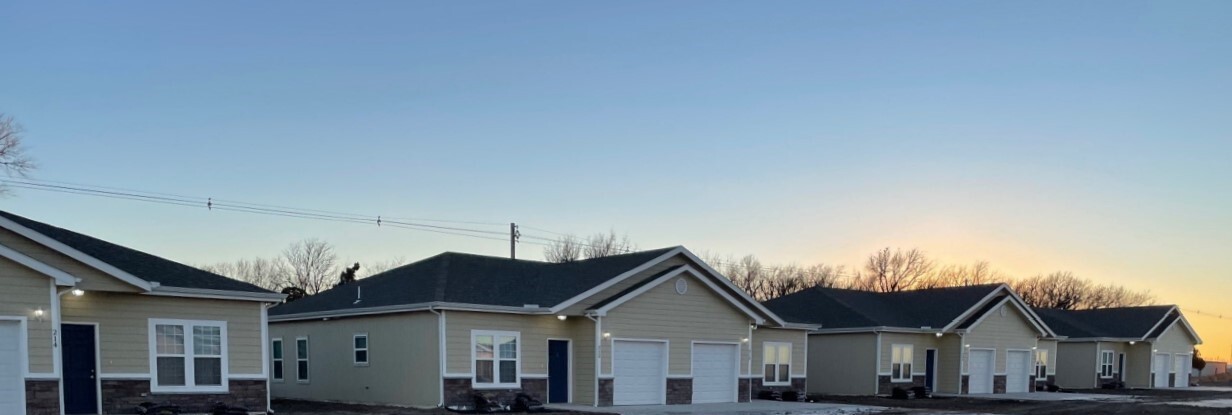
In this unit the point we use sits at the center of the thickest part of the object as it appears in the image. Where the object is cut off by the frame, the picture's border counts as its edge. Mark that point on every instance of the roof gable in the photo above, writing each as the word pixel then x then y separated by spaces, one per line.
pixel 1120 323
pixel 835 308
pixel 651 283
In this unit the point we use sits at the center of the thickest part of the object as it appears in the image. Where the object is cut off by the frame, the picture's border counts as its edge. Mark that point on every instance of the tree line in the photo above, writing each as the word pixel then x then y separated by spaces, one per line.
pixel 304 268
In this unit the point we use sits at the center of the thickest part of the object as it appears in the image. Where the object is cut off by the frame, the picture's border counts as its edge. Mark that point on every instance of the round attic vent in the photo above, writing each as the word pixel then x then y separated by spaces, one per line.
pixel 682 286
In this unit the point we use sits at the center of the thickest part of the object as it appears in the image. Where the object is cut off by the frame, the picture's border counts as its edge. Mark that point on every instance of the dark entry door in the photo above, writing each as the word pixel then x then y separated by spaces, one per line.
pixel 1121 367
pixel 930 368
pixel 80 361
pixel 558 371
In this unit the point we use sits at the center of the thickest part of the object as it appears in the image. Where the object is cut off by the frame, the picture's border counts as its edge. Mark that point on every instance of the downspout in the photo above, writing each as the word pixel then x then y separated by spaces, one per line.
pixel 598 354
pixel 749 364
pixel 440 355
pixel 265 353
pixel 962 360
pixel 877 370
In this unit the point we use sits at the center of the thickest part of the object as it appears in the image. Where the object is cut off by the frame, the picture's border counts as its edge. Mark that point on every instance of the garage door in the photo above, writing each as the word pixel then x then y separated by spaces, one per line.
pixel 1181 365
pixel 12 386
pixel 980 370
pixel 714 373
pixel 1161 370
pixel 639 370
pixel 1016 372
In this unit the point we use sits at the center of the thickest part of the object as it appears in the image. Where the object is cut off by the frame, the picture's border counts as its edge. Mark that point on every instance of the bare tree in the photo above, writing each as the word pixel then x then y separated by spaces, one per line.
pixel 382 266
pixel 1059 289
pixel 790 279
pixel 270 274
pixel 891 271
pixel 1109 296
pixel 600 245
pixel 312 263
pixel 13 158
pixel 567 248
pixel 962 276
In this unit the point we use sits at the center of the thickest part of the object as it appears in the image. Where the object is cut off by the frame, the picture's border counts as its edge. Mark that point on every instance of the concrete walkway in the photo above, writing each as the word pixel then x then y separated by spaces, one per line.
pixel 743 408
pixel 1044 396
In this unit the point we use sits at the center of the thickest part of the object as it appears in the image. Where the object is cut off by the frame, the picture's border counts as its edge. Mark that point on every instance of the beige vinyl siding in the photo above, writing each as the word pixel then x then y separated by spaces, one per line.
pixel 1117 348
pixel 797 338
pixel 1176 340
pixel 123 325
pixel 1138 365
pixel 842 364
pixel 661 314
pixel 403 360
pixel 1076 365
pixel 1002 332
pixel 949 359
pixel 1051 347
pixel 583 335
pixel 535 331
pixel 91 278
pixel 26 291
pixel 619 287
pixel 920 343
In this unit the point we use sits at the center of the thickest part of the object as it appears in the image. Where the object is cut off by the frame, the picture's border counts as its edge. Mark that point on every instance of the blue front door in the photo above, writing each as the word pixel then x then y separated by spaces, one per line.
pixel 558 371
pixel 80 359
pixel 930 366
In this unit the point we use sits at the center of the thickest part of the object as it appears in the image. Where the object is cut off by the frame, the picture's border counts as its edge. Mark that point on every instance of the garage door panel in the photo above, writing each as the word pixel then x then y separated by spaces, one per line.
pixel 12 385
pixel 1161 370
pixel 714 372
pixel 979 367
pixel 1016 372
pixel 639 372
pixel 1181 367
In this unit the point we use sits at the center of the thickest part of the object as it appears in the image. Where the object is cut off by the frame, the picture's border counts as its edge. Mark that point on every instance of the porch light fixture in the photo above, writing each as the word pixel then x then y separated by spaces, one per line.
pixel 1155 351
pixel 562 317
pixel 606 335
pixel 77 292
pixel 938 334
pixel 967 346
pixel 38 314
pixel 1034 347
pixel 1131 343
pixel 744 340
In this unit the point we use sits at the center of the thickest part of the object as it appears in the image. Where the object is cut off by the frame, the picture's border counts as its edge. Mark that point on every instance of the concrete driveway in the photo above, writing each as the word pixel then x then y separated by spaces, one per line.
pixel 743 408
pixel 1046 396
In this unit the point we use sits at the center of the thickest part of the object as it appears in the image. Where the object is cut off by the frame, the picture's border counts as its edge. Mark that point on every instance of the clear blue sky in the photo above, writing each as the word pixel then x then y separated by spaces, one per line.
pixel 1089 136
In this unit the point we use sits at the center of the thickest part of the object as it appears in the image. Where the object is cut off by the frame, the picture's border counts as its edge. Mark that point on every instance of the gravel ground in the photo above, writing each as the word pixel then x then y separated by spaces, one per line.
pixel 1151 402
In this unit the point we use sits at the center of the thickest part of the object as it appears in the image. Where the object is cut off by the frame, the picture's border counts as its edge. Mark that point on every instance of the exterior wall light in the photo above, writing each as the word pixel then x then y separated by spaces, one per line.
pixel 967 346
pixel 938 334
pixel 1131 343
pixel 607 335
pixel 744 340
pixel 77 292
pixel 562 317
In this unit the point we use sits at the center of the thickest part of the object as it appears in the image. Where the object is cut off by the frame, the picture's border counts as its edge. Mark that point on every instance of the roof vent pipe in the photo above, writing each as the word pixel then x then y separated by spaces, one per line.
pixel 359 294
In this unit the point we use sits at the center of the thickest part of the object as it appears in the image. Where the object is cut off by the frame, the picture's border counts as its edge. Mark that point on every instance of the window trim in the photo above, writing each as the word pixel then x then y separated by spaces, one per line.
pixel 496 384
pixel 306 359
pixel 1041 377
pixel 790 351
pixel 1110 365
pixel 278 360
pixel 189 356
pixel 904 375
pixel 355 350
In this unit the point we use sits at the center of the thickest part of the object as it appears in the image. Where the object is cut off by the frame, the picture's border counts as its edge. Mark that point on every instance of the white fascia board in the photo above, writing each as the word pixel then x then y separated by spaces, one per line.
pixel 62 278
pixel 163 290
pixel 74 254
pixel 607 284
pixel 726 281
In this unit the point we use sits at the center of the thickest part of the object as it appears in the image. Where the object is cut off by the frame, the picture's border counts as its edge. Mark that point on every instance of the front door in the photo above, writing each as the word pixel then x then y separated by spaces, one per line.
pixel 80 363
pixel 558 371
pixel 1121 366
pixel 930 368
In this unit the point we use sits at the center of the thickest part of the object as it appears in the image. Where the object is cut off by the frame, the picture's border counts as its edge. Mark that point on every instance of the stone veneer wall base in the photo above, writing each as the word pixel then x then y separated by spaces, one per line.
pixel 123 396
pixel 42 397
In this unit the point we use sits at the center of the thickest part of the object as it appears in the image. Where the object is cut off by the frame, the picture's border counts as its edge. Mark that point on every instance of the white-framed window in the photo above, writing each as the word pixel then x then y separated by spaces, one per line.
pixel 776 361
pixel 1105 364
pixel 188 355
pixel 496 356
pixel 901 359
pixel 1041 365
pixel 301 359
pixel 360 344
pixel 276 359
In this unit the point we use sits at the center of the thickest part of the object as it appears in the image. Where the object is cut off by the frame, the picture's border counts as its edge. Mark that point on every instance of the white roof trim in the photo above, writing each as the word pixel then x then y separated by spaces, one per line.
pixel 607 284
pixel 877 329
pixel 163 290
pixel 1181 319
pixel 602 311
pixel 974 308
pixel 74 254
pixel 61 277
pixel 402 308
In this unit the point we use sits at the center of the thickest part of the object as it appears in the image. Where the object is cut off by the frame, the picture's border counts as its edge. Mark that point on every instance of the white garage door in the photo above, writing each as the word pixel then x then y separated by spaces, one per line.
pixel 1016 372
pixel 980 370
pixel 639 370
pixel 1161 370
pixel 1181 365
pixel 12 385
pixel 714 373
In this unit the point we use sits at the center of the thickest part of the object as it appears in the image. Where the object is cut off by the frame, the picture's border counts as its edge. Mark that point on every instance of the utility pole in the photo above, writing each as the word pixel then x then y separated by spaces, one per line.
pixel 514 235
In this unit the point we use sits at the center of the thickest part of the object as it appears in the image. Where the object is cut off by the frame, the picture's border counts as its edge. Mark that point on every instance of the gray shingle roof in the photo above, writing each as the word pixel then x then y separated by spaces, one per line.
pixel 840 308
pixel 472 279
pixel 1125 322
pixel 139 264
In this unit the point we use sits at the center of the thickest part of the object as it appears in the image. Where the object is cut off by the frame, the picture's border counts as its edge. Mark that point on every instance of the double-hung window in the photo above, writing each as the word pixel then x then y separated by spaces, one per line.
pixel 900 362
pixel 776 359
pixel 1105 364
pixel 276 358
pixel 301 359
pixel 188 355
pixel 496 358
pixel 1041 365
pixel 360 343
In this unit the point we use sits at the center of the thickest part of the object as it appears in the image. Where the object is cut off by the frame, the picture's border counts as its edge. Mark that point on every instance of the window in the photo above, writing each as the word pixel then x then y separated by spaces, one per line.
pixel 361 349
pixel 188 356
pixel 776 359
pixel 495 355
pixel 1041 365
pixel 301 359
pixel 900 363
pixel 276 354
pixel 1105 364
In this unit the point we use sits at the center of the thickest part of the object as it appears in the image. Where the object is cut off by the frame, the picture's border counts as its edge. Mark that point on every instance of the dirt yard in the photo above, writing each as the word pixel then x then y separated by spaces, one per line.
pixel 1150 402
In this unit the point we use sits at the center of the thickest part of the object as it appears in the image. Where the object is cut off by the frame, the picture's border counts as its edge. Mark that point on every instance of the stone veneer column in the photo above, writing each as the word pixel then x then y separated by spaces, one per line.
pixel 998 384
pixel 679 391
pixel 606 391
pixel 42 397
pixel 742 394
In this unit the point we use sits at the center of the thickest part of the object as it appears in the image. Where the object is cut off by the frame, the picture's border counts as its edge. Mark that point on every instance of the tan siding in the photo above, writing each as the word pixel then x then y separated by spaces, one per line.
pixel 535 331
pixel 842 364
pixel 1051 347
pixel 123 321
pixel 583 333
pixel 662 314
pixel 26 291
pixel 949 359
pixel 1176 340
pixel 1076 365
pixel 797 338
pixel 1002 332
pixel 920 343
pixel 403 360
pixel 91 278
pixel 1138 365
pixel 1117 348
pixel 617 288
